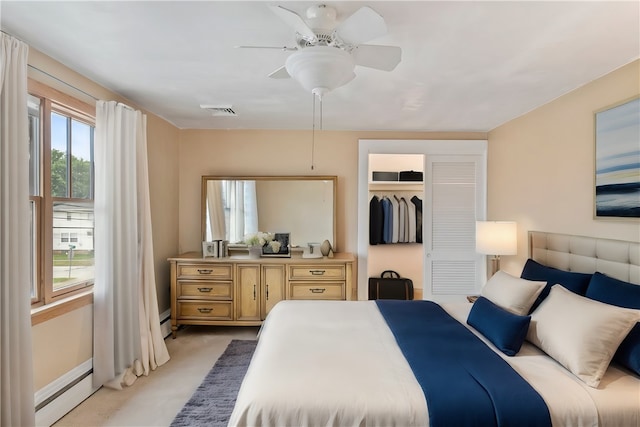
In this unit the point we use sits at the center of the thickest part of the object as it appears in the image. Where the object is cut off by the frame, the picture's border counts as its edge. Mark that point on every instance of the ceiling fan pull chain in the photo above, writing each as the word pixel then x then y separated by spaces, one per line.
pixel 320 112
pixel 313 129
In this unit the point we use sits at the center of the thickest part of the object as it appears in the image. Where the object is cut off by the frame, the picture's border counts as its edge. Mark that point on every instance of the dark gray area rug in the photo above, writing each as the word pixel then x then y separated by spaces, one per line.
pixel 213 401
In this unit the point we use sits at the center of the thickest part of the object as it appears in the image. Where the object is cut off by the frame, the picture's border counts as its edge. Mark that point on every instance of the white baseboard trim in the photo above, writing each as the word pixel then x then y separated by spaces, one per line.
pixel 63 401
pixel 60 383
pixel 165 323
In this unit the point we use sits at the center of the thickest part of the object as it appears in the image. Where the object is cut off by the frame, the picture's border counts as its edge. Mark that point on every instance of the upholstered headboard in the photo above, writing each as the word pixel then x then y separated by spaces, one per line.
pixel 616 258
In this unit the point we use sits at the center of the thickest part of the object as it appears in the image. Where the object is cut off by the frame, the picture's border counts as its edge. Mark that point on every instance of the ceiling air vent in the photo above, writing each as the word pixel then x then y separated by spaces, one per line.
pixel 219 110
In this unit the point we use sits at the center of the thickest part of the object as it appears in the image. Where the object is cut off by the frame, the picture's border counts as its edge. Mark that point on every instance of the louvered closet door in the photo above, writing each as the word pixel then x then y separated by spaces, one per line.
pixel 454 197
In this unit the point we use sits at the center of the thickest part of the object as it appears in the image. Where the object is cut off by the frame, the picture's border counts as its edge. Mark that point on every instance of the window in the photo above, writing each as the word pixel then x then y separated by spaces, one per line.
pixel 61 193
pixel 33 107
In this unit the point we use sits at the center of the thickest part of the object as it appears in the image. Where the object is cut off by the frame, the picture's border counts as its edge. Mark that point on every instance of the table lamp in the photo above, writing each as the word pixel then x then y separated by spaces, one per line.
pixel 496 238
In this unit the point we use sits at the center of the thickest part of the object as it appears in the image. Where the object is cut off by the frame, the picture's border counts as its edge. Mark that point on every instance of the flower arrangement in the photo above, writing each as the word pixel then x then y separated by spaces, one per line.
pixel 275 246
pixel 268 244
pixel 258 239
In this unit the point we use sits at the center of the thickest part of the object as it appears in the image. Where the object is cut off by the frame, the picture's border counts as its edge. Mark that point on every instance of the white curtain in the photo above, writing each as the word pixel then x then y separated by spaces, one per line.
pixel 241 203
pixel 16 368
pixel 127 337
pixel 215 211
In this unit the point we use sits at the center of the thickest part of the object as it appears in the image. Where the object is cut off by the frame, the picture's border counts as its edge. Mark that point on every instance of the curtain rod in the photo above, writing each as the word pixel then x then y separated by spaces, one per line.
pixel 62 81
pixel 10 35
pixel 51 75
pixel 75 88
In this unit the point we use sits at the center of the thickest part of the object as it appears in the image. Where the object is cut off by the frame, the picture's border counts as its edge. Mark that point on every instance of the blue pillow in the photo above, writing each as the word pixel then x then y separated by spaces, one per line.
pixel 575 282
pixel 505 330
pixel 623 294
pixel 613 291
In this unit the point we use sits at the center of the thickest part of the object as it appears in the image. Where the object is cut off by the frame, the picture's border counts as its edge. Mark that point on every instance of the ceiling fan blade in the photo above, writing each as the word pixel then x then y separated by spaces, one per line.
pixel 267 47
pixel 379 57
pixel 363 25
pixel 295 21
pixel 280 73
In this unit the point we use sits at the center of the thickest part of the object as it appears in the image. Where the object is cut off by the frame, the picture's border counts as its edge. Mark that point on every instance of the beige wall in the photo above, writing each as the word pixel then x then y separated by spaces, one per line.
pixel 61 344
pixel 64 342
pixel 541 166
pixel 162 151
pixel 265 152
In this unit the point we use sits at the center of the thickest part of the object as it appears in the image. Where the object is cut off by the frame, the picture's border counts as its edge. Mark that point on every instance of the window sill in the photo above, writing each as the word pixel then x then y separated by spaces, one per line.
pixel 47 312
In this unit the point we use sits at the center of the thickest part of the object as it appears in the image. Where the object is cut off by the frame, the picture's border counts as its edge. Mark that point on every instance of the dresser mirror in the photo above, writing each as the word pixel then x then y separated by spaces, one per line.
pixel 304 206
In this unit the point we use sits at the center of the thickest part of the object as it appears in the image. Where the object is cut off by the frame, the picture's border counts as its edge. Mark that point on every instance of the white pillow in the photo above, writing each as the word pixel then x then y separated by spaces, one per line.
pixel 512 293
pixel 580 333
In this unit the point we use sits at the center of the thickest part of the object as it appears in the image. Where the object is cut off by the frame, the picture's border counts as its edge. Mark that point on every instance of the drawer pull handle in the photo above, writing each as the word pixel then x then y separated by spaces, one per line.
pixel 254 292
pixel 317 290
pixel 205 271
pixel 205 310
pixel 316 272
pixel 204 289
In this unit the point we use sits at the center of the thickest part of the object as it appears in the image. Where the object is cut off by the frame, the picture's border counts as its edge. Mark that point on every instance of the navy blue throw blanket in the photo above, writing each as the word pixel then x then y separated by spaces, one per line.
pixel 464 382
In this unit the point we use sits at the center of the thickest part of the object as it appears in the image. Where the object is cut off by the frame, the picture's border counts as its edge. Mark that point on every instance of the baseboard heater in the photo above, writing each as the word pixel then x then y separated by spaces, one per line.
pixel 165 324
pixel 59 397
pixel 63 390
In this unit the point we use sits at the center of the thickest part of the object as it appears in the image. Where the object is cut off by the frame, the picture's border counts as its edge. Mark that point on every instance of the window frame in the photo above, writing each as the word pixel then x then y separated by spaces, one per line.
pixel 52 100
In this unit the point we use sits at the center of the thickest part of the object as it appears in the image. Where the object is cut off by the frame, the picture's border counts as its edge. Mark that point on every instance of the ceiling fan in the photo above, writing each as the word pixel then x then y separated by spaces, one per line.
pixel 327 51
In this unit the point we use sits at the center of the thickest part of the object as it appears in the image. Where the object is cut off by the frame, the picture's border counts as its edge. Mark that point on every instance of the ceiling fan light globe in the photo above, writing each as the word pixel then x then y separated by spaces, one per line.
pixel 321 68
pixel 321 17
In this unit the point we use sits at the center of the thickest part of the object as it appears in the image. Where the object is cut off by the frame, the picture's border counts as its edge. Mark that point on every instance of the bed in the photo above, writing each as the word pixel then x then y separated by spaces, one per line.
pixel 406 363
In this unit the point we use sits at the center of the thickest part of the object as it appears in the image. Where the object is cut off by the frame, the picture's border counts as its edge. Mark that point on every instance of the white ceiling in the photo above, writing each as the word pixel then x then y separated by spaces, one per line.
pixel 466 66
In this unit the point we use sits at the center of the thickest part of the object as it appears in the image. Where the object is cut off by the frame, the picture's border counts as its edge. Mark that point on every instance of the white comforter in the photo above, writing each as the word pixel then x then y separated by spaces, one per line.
pixel 337 363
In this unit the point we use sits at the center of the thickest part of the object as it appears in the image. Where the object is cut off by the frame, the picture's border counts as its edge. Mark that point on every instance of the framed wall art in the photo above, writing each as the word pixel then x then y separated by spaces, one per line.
pixel 617 161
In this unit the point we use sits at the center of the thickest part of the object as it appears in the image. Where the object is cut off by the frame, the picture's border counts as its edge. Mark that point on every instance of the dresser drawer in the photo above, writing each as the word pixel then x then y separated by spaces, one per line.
pixel 314 290
pixel 316 272
pixel 205 310
pixel 205 271
pixel 205 290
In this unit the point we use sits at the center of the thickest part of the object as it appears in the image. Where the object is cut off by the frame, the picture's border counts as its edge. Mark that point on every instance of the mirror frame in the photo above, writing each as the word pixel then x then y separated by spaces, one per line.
pixel 205 178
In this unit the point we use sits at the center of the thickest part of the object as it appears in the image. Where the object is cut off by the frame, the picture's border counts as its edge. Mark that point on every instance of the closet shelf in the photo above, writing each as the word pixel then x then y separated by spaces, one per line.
pixel 396 185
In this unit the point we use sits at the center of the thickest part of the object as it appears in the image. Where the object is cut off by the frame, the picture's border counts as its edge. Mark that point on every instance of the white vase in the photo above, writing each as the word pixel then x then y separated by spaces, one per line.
pixel 255 252
pixel 325 248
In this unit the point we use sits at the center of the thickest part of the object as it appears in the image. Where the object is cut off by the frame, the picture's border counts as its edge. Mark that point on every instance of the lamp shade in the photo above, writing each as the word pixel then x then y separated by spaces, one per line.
pixel 320 69
pixel 497 237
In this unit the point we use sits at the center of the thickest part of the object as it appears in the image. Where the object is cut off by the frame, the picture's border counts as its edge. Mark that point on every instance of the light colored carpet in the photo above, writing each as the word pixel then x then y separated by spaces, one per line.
pixel 155 400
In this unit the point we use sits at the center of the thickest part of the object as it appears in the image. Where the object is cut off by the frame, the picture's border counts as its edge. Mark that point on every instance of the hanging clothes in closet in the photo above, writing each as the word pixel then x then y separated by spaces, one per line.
pixel 375 221
pixel 394 219
pixel 417 202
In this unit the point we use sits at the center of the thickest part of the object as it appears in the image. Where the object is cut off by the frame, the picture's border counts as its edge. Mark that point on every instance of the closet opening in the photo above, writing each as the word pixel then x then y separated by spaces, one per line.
pixel 445 266
pixel 396 193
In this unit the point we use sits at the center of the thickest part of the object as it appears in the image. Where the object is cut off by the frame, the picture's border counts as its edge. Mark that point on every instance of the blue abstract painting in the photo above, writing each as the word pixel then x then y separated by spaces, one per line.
pixel 618 161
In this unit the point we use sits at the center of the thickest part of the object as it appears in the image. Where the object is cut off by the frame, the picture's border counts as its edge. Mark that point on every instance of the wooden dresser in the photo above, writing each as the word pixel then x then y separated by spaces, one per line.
pixel 240 291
